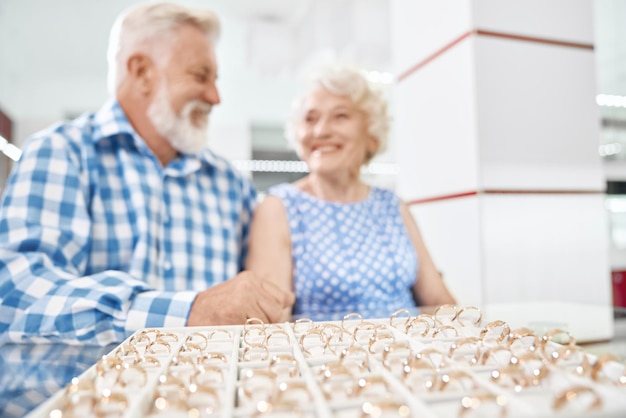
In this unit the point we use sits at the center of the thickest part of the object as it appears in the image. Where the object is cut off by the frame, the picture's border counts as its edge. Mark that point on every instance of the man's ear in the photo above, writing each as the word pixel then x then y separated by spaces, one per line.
pixel 141 69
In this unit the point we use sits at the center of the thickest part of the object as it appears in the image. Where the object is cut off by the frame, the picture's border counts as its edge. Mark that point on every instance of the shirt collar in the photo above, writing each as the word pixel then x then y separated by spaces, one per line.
pixel 111 121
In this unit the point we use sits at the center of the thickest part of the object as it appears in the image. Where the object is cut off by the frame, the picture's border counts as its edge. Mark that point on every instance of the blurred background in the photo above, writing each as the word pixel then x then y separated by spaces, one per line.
pixel 509 137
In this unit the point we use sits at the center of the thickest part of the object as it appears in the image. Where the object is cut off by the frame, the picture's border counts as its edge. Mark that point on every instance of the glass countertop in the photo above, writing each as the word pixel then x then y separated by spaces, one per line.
pixel 32 373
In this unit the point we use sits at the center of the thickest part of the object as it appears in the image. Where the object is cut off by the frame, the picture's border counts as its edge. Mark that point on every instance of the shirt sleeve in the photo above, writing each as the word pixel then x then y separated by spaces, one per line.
pixel 45 292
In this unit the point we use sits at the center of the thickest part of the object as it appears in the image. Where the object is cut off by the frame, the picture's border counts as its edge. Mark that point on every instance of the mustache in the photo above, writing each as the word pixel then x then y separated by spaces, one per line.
pixel 200 106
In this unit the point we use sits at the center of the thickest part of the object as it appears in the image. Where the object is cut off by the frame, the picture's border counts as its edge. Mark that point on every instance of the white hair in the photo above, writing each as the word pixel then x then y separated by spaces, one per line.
pixel 350 82
pixel 149 28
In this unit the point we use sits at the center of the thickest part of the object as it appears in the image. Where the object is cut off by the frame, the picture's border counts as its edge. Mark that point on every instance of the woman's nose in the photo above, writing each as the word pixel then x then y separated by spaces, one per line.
pixel 321 128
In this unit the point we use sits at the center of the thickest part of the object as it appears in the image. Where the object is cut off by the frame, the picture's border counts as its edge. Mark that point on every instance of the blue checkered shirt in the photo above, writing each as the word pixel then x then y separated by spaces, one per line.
pixel 98 240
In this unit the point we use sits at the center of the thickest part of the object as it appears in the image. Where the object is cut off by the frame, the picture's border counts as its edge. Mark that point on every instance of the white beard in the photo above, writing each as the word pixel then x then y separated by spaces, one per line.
pixel 179 129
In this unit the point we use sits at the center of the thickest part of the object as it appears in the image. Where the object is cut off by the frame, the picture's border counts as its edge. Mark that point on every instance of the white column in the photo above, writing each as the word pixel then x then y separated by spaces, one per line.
pixel 498 133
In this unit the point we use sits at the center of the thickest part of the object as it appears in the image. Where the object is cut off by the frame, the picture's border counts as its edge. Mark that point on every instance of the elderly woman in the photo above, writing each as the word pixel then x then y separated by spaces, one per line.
pixel 342 245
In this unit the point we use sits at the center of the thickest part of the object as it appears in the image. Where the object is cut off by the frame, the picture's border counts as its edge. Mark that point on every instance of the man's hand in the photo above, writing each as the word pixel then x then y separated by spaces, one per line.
pixel 234 301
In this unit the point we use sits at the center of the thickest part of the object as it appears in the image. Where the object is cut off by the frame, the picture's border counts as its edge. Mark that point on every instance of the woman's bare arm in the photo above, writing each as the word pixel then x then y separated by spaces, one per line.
pixel 269 251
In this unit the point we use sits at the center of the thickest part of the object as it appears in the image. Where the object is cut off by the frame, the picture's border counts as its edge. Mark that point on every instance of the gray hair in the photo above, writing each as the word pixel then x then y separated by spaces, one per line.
pixel 149 28
pixel 350 82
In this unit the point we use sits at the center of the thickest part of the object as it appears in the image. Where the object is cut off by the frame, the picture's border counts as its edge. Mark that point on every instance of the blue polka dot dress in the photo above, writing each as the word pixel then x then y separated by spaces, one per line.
pixel 349 257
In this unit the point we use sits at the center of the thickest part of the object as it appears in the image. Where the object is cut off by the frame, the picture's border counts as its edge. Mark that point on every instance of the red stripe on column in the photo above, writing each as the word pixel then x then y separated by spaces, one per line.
pixel 482 32
pixel 432 56
pixel 496 191
pixel 439 198
pixel 500 192
pixel 534 39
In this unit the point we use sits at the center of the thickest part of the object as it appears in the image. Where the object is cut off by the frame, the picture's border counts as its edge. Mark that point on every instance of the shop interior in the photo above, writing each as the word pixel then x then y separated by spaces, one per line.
pixel 51 71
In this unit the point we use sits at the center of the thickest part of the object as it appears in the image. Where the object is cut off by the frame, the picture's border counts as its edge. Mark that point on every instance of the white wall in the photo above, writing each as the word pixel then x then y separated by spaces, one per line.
pixel 53 64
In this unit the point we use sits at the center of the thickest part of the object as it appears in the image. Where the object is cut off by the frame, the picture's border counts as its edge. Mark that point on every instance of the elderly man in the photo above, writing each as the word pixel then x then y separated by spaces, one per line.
pixel 122 219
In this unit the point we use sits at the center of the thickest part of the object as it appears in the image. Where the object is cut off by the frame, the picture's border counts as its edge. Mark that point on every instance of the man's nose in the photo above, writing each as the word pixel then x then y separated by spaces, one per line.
pixel 212 95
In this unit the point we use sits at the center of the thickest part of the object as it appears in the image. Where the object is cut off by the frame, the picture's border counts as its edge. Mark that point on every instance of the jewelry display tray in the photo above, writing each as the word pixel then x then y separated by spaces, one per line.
pixel 424 366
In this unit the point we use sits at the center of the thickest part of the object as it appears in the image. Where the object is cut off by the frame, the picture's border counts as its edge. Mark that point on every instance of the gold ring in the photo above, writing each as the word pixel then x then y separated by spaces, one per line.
pixel 123 378
pixel 107 364
pixel 412 364
pixel 365 330
pixel 307 336
pixel 148 361
pixel 334 370
pixel 265 407
pixel 364 383
pixel 447 378
pixel 208 374
pixel 413 326
pixel 110 400
pixel 339 340
pixel 246 356
pixel 286 340
pixel 512 372
pixel 443 328
pixel 475 322
pixel 538 370
pixel 396 346
pixel 208 358
pixel 491 353
pixel 438 313
pixel 151 331
pixel 523 333
pixel 569 395
pixel 253 323
pixel 431 354
pixel 196 400
pixel 170 380
pixel 336 380
pixel 77 385
pixel 254 335
pixel 473 402
pixel 126 350
pixel 379 409
pixel 139 339
pixel 286 390
pixel 284 361
pixel 597 371
pixel 152 348
pixel 398 312
pixel 380 337
pixel 504 333
pixel 189 347
pixel 255 379
pixel 168 336
pixel 351 316
pixel 305 323
pixel 459 344
pixel 563 350
pixel 181 360
pixel 204 340
pixel 219 331
pixel 355 354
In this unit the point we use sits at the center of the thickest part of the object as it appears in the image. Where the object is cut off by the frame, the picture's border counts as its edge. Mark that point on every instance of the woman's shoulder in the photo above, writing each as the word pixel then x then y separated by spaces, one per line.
pixel 282 190
pixel 384 195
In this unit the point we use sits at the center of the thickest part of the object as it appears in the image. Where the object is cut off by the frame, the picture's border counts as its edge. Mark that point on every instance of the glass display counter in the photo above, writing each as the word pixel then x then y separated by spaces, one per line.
pixel 453 362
